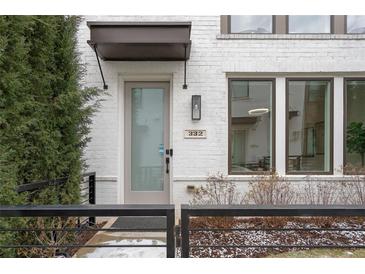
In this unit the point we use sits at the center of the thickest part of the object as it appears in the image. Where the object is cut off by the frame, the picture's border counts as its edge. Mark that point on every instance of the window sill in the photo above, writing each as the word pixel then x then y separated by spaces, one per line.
pixel 256 177
pixel 241 36
pixel 294 178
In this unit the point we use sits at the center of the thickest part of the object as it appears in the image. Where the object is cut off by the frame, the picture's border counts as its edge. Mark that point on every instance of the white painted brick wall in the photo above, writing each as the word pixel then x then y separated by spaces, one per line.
pixel 213 57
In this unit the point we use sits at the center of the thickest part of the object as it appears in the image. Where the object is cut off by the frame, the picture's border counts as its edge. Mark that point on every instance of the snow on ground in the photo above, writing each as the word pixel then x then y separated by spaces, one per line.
pixel 248 241
pixel 129 252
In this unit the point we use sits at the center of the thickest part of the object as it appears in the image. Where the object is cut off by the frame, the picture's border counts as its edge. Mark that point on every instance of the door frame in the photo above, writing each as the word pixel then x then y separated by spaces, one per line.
pixel 145 196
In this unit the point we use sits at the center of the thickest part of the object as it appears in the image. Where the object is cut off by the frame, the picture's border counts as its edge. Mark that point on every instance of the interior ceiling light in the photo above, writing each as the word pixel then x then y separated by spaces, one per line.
pixel 258 111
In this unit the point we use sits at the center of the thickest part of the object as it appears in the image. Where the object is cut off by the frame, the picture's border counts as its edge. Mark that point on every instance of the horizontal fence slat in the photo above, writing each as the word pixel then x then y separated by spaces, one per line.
pixel 277 246
pixel 76 229
pixel 85 210
pixel 88 174
pixel 51 182
pixel 265 211
pixel 75 246
pixel 40 185
pixel 276 229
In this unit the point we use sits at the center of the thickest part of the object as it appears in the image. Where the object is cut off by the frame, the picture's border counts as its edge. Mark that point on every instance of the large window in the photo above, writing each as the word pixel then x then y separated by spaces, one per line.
pixel 309 24
pixel 251 24
pixel 309 126
pixel 251 125
pixel 355 123
pixel 355 24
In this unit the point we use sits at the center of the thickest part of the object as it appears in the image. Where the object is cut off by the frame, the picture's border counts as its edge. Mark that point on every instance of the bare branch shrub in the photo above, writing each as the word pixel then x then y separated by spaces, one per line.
pixel 321 193
pixel 48 237
pixel 353 192
pixel 270 189
pixel 217 191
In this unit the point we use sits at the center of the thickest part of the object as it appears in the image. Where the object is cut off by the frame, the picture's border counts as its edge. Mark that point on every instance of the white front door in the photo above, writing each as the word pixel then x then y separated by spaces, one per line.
pixel 147 164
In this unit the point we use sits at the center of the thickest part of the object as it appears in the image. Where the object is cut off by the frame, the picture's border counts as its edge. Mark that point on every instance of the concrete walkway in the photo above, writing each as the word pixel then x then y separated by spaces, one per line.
pixel 111 237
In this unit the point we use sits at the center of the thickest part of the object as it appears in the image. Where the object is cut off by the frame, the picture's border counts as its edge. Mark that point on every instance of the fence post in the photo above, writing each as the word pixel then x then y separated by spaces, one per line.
pixel 184 232
pixel 92 197
pixel 170 233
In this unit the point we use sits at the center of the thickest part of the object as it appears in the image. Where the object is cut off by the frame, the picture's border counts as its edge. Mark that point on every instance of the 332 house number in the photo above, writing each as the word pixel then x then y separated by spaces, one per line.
pixel 195 134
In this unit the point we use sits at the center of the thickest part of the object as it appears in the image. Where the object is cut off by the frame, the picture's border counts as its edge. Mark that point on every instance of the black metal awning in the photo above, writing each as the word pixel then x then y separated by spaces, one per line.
pixel 140 41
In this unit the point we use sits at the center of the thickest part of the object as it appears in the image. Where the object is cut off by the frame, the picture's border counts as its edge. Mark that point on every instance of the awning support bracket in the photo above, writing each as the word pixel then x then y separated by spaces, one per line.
pixel 105 86
pixel 185 86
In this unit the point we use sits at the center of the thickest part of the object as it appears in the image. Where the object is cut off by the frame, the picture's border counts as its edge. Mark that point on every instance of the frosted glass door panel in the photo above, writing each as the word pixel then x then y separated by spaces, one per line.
pixel 147 151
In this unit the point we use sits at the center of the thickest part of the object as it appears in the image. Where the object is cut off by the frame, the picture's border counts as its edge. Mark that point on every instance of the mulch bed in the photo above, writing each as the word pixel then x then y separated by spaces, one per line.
pixel 261 237
pixel 83 237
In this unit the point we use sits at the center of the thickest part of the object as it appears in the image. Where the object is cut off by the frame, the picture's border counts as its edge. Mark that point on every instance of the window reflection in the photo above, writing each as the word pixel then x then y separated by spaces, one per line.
pixel 309 24
pixel 251 125
pixel 355 121
pixel 309 126
pixel 356 24
pixel 251 24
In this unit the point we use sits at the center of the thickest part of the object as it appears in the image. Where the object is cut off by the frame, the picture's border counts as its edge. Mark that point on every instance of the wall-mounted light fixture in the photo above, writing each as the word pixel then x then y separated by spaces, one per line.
pixel 196 107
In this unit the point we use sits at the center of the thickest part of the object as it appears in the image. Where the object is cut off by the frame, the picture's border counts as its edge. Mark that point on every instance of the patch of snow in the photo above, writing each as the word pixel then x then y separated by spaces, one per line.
pixel 129 252
pixel 295 238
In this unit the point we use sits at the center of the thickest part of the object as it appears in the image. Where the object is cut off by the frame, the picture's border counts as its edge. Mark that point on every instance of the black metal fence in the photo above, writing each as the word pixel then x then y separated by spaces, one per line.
pixel 87 186
pixel 38 186
pixel 69 211
pixel 87 191
pixel 187 212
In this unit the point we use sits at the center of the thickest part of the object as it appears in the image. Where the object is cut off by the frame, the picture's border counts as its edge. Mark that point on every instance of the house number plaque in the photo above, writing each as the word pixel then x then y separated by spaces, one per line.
pixel 195 134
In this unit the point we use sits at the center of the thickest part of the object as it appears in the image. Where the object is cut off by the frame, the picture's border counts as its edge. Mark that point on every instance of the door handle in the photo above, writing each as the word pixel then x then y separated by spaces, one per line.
pixel 167 161
pixel 169 152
